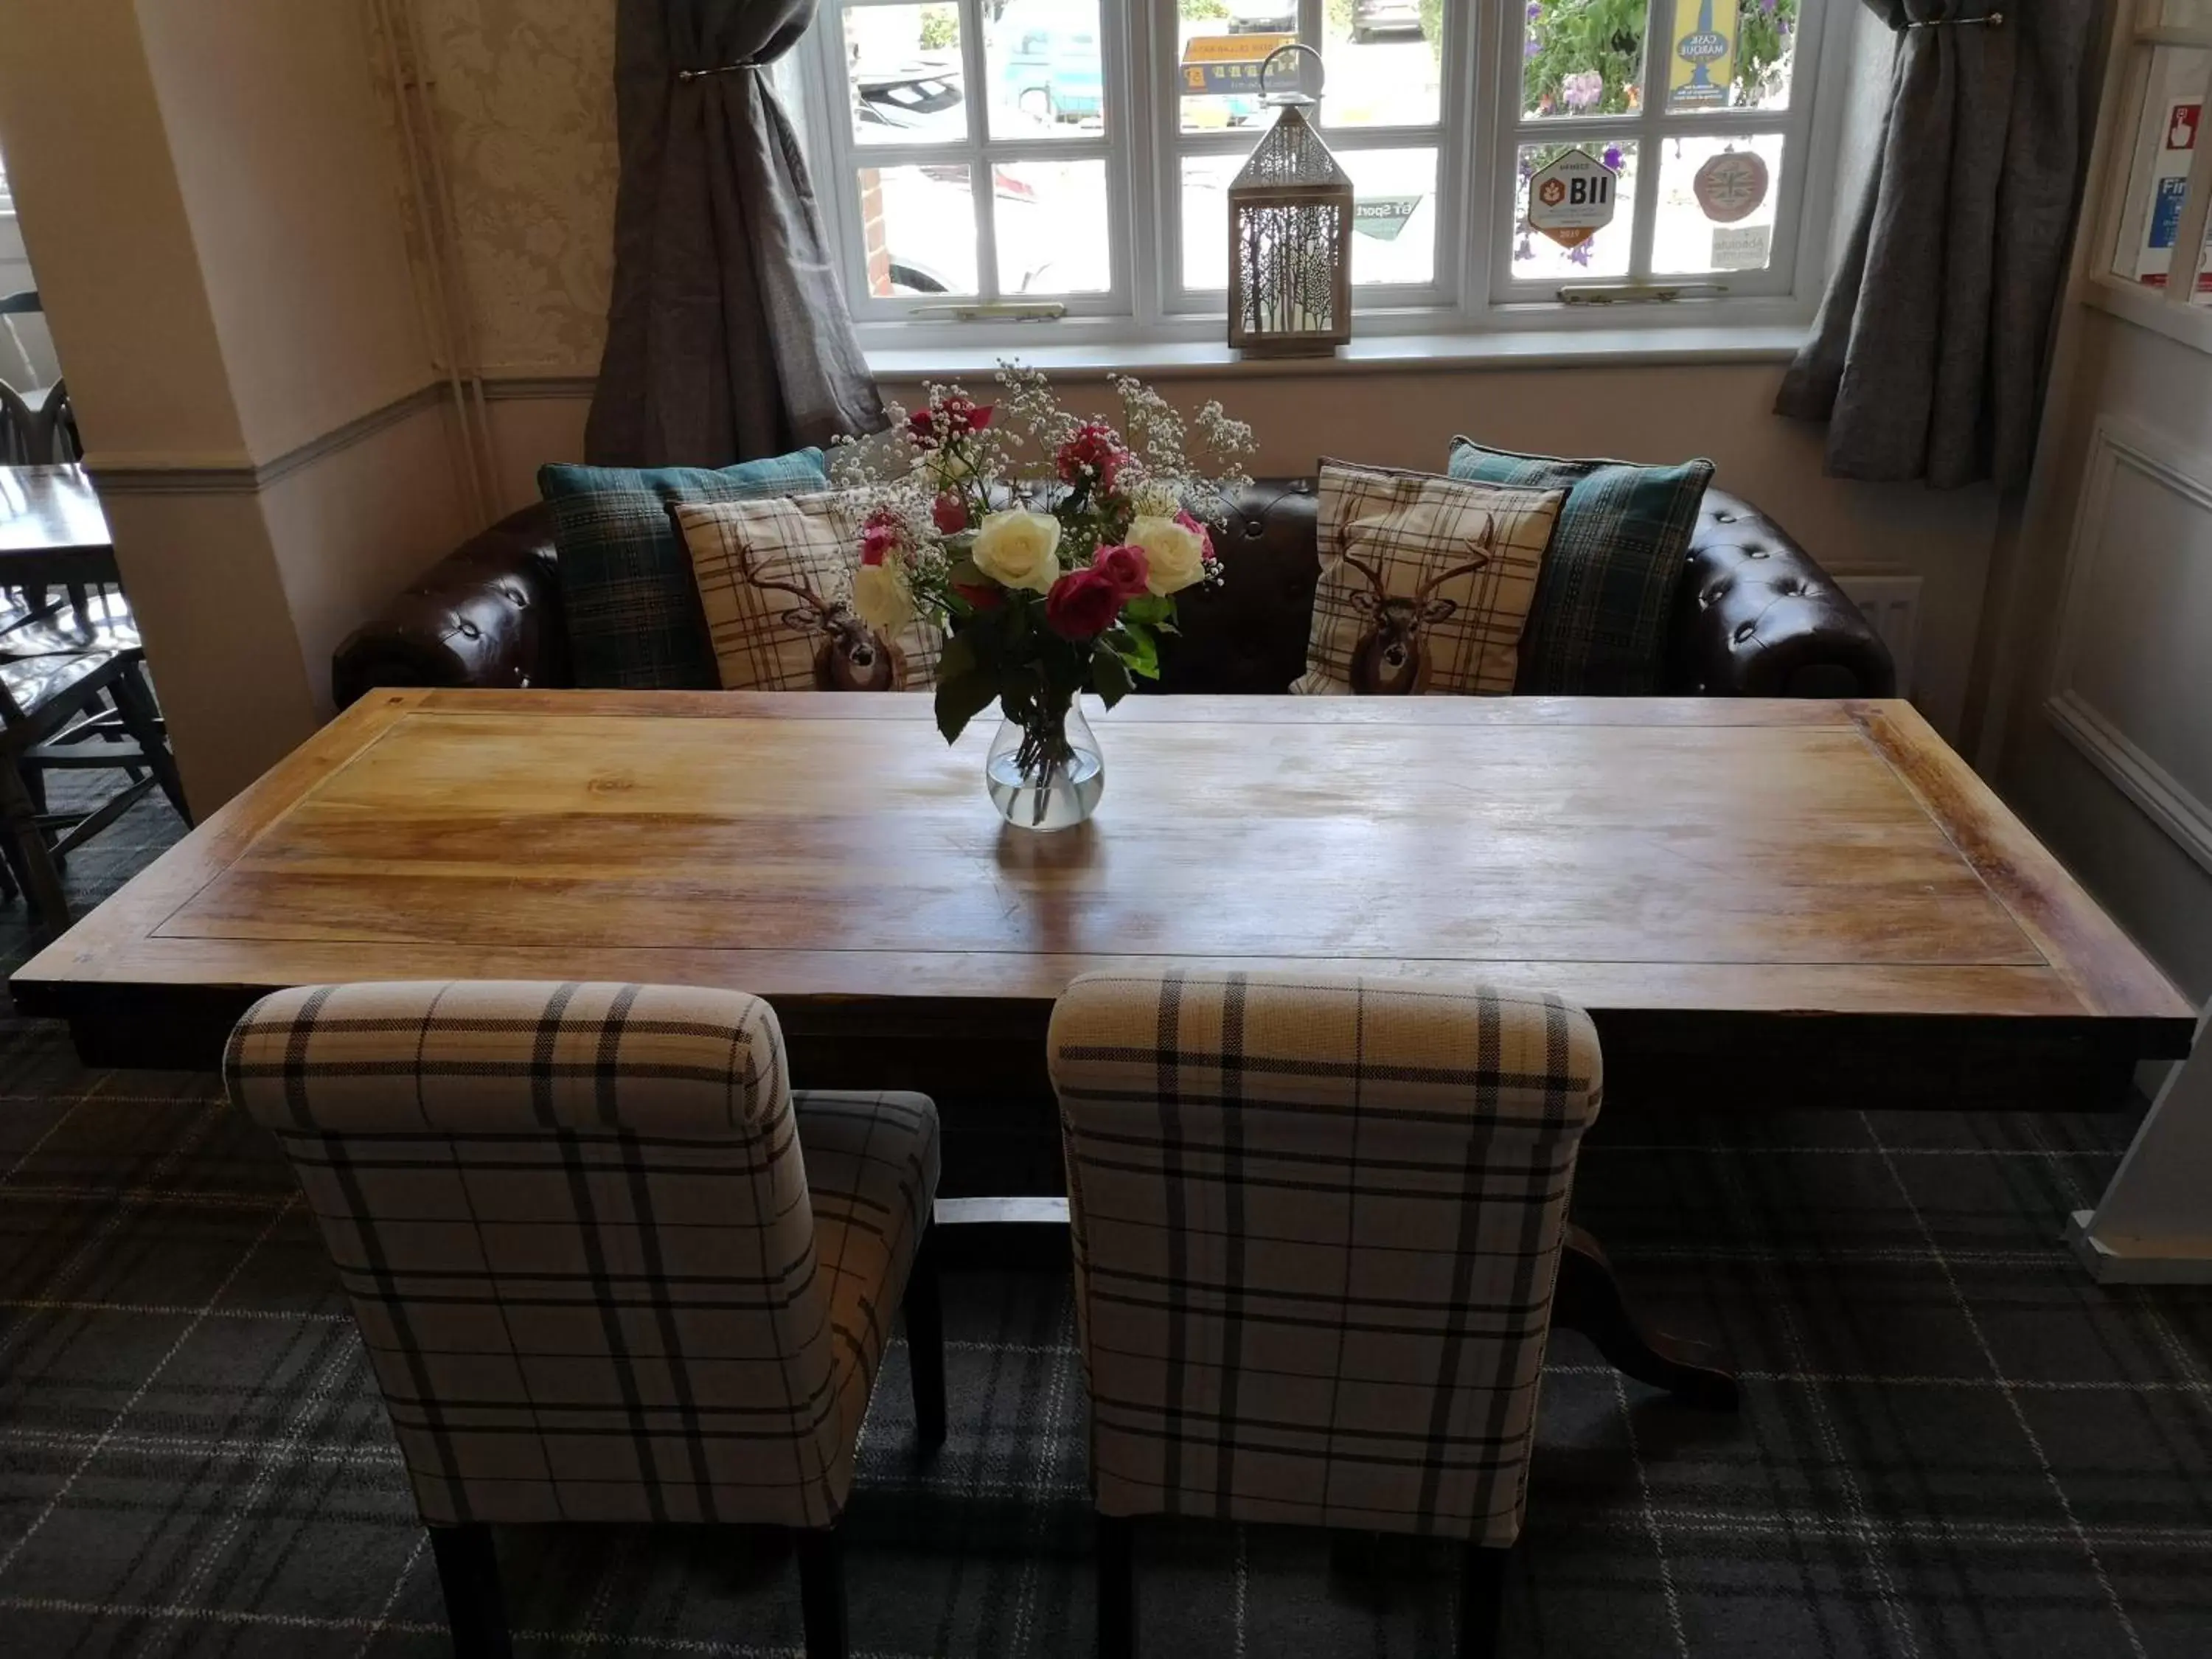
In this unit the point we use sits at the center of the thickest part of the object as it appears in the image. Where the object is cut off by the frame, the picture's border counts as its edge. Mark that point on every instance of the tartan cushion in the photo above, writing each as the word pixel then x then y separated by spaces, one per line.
pixel 774 581
pixel 600 1271
pixel 1600 624
pixel 626 590
pixel 1316 1226
pixel 1425 582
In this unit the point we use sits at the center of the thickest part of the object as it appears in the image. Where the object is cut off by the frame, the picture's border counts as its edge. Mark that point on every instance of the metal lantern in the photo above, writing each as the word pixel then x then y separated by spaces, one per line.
pixel 1290 237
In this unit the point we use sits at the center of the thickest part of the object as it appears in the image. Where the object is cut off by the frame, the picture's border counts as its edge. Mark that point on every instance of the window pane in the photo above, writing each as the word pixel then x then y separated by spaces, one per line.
pixel 1385 62
pixel 1394 217
pixel 2167 132
pixel 1581 57
pixel 919 224
pixel 1717 204
pixel 1054 231
pixel 1048 75
pixel 1206 220
pixel 1219 57
pixel 2178 14
pixel 1539 257
pixel 904 63
pixel 1731 54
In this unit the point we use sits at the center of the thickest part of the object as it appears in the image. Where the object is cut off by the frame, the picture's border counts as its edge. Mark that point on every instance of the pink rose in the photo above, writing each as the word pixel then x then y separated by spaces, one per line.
pixel 1198 529
pixel 1082 605
pixel 1127 568
pixel 880 535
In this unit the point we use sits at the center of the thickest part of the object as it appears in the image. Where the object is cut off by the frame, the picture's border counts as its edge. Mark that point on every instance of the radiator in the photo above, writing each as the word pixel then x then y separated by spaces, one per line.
pixel 1890 601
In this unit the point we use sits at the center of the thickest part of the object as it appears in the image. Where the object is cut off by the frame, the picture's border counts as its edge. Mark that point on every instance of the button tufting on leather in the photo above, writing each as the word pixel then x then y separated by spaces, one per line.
pixel 1724 518
pixel 1253 530
pixel 1744 631
pixel 470 630
pixel 1755 553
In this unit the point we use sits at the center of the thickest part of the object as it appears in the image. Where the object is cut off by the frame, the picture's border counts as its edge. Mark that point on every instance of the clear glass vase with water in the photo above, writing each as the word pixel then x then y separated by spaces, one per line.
pixel 1048 774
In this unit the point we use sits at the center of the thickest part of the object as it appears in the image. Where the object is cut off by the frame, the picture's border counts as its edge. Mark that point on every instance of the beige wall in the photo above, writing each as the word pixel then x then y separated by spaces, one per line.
pixel 210 195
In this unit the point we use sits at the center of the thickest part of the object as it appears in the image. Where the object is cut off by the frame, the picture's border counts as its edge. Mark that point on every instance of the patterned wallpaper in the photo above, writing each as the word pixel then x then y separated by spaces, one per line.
pixel 523 93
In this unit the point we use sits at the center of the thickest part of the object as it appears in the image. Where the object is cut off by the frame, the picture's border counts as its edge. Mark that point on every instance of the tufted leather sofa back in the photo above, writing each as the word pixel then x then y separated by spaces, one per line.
pixel 1755 616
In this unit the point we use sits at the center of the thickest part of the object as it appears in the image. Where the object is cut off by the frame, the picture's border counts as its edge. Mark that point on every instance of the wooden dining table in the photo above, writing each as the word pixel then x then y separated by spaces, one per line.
pixel 53 533
pixel 1764 904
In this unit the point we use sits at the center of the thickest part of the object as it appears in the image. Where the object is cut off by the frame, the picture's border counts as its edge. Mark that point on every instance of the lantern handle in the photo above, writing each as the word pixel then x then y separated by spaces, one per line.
pixel 1300 96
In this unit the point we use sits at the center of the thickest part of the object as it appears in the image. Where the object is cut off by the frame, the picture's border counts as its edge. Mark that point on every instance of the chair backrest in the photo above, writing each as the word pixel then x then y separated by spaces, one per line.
pixel 574 1224
pixel 1316 1227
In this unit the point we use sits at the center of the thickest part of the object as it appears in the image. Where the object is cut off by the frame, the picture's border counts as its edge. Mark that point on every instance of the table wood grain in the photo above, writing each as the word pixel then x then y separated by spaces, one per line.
pixel 1762 902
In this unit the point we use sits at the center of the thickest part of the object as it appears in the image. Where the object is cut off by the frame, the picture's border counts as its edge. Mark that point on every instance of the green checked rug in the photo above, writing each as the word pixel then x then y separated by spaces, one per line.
pixel 1952 1445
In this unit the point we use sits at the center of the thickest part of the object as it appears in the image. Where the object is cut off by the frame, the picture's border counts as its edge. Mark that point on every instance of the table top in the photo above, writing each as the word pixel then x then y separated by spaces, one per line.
pixel 1700 856
pixel 50 510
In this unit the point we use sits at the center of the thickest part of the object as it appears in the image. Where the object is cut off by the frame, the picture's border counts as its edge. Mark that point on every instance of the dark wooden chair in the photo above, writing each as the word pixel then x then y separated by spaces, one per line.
pixel 87 711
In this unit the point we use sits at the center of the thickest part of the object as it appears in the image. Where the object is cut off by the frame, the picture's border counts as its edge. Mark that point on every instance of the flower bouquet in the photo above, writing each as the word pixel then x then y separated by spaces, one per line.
pixel 1050 548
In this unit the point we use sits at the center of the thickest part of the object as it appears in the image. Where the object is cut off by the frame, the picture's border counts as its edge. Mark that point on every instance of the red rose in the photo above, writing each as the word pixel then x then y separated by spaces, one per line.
pixel 1126 567
pixel 1094 454
pixel 955 417
pixel 982 595
pixel 879 535
pixel 1082 605
pixel 950 513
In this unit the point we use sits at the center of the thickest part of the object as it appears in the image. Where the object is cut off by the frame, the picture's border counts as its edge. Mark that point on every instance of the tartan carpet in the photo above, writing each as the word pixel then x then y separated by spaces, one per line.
pixel 1953 1444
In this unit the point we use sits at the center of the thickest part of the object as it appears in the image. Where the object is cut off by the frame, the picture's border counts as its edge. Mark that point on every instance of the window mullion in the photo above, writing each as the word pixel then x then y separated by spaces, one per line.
pixel 1658 53
pixel 983 188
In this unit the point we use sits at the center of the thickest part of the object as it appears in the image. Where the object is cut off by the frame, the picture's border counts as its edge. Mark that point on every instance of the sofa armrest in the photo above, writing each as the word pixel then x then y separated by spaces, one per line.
pixel 1756 617
pixel 488 614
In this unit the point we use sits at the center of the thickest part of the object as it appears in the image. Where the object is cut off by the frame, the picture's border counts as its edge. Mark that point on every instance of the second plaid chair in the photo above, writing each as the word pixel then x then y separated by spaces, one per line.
pixel 1316 1227
pixel 607 1266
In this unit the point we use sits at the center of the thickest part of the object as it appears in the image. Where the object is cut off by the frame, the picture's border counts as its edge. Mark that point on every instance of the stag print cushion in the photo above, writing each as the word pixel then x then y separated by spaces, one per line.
pixel 1425 582
pixel 776 581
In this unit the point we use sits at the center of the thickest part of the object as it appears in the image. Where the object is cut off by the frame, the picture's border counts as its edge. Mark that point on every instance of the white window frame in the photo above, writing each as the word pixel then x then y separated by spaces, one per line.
pixel 2167 310
pixel 1473 294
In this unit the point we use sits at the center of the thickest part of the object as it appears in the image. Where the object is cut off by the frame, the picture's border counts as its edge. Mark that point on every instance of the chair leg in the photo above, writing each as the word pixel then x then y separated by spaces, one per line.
pixel 925 1343
pixel 476 1608
pixel 1481 1599
pixel 822 1591
pixel 1117 1588
pixel 34 859
pixel 143 722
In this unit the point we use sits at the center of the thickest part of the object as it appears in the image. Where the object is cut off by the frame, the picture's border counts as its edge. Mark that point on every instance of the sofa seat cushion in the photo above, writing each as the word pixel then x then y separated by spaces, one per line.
pixel 631 607
pixel 1425 583
pixel 1600 624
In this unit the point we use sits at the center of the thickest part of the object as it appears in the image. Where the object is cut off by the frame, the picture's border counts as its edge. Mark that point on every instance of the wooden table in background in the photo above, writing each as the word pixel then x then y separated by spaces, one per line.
pixel 52 531
pixel 1762 903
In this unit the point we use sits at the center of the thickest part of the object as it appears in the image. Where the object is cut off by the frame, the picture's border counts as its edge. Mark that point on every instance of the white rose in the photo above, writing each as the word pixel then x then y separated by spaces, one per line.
pixel 1175 554
pixel 1019 550
pixel 880 599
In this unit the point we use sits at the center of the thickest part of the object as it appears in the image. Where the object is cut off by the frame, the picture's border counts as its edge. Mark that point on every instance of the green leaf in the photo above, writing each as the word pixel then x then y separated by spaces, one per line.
pixel 959 701
pixel 957 661
pixel 1110 675
pixel 1134 644
pixel 1152 610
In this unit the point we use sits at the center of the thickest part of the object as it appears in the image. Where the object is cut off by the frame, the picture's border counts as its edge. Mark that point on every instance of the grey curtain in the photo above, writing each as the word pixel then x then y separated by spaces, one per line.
pixel 727 335
pixel 1929 354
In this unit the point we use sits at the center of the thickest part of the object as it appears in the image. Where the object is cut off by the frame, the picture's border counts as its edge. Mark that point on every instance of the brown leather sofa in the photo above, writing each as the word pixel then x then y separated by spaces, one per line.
pixel 1756 617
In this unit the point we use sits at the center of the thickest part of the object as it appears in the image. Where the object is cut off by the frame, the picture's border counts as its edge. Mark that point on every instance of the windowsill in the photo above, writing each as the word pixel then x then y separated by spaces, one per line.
pixel 2150 308
pixel 1381 354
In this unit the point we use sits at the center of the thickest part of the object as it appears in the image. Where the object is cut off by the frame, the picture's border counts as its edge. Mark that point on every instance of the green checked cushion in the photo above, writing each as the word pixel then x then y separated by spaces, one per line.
pixel 1598 628
pixel 626 583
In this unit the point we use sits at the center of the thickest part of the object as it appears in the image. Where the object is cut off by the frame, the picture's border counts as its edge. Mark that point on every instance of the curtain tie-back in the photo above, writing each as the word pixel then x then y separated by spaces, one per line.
pixel 720 68
pixel 1994 20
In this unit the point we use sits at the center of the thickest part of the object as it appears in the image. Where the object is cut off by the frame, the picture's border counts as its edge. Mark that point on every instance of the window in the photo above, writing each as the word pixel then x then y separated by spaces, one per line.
pixel 1033 171
pixel 2160 239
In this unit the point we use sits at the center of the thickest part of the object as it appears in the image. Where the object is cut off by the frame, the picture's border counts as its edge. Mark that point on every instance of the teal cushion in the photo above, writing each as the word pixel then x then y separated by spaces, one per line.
pixel 1598 627
pixel 627 591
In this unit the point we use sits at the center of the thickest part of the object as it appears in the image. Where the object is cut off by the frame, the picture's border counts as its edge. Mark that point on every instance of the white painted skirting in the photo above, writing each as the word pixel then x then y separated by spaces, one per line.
pixel 2109 1261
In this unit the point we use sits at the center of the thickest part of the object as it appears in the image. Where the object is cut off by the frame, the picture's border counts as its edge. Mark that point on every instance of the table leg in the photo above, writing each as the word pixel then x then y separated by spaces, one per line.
pixel 1589 1299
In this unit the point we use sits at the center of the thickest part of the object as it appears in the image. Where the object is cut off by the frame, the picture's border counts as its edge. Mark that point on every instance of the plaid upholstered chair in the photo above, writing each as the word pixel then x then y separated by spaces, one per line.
pixel 608 1266
pixel 1316 1226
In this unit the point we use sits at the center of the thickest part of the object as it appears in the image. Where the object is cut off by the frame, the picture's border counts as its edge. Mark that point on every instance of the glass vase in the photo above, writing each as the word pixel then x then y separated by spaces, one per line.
pixel 1048 775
